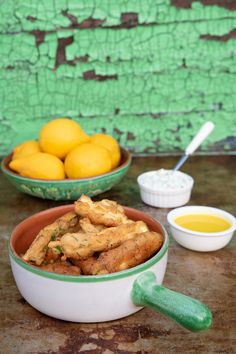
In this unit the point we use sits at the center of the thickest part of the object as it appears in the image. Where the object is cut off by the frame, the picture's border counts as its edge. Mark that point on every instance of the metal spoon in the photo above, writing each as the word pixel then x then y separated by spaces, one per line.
pixel 201 135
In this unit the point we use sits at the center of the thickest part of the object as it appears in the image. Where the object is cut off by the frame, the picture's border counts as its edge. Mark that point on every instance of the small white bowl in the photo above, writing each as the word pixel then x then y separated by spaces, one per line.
pixel 201 241
pixel 167 196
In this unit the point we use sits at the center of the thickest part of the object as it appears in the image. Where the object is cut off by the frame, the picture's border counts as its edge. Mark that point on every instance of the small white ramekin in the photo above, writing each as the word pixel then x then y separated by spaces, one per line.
pixel 165 198
pixel 201 241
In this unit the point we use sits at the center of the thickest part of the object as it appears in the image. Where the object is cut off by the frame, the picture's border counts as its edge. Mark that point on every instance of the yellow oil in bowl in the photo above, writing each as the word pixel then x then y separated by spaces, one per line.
pixel 203 222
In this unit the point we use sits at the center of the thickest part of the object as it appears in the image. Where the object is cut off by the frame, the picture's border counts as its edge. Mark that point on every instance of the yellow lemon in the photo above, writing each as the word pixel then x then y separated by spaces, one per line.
pixel 87 160
pixel 60 136
pixel 110 144
pixel 27 148
pixel 39 165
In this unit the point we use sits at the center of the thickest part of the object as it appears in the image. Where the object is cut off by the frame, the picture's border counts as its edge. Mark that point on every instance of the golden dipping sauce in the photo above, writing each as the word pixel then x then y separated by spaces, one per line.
pixel 203 222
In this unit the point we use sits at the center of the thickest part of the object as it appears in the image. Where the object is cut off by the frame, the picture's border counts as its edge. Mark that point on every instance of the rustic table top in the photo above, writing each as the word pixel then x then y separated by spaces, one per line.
pixel 209 277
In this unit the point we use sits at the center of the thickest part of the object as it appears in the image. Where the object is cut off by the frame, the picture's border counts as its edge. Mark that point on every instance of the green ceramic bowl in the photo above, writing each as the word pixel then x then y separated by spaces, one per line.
pixel 67 189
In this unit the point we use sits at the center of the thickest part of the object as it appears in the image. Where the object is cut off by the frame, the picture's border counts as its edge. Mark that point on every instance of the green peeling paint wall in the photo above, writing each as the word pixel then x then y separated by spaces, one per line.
pixel 148 72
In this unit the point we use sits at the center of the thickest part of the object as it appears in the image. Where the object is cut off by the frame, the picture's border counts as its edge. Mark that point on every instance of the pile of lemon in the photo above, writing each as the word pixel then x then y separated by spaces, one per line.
pixel 65 150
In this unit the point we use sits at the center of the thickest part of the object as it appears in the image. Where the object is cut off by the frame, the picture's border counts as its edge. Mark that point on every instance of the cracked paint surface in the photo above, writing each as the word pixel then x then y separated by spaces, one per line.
pixel 149 73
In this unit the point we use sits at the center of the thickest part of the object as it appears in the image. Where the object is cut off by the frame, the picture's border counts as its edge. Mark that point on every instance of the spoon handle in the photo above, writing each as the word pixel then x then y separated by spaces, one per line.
pixel 201 135
pixel 204 131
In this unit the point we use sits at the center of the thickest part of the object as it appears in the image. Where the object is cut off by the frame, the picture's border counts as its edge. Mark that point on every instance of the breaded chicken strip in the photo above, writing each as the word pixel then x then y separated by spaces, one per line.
pixel 105 212
pixel 81 246
pixel 88 227
pixel 86 265
pixel 38 249
pixel 52 255
pixel 129 254
pixel 62 267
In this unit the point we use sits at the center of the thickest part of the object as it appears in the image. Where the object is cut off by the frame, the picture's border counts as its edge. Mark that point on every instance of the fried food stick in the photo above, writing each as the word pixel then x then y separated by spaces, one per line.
pixel 88 227
pixel 105 212
pixel 62 267
pixel 129 254
pixel 81 245
pixel 38 249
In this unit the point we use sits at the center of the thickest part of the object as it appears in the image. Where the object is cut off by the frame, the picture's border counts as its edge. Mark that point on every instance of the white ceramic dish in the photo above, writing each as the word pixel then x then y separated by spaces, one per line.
pixel 165 197
pixel 102 297
pixel 201 241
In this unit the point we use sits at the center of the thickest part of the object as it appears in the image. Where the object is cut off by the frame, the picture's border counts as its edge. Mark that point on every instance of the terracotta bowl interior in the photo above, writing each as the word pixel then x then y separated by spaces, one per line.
pixel 24 234
pixel 125 158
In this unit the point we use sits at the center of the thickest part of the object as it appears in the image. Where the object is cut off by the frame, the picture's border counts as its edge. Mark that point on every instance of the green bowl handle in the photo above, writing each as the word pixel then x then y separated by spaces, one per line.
pixel 186 311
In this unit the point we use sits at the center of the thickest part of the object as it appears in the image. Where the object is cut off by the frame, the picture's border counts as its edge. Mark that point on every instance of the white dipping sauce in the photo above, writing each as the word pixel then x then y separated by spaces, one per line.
pixel 167 180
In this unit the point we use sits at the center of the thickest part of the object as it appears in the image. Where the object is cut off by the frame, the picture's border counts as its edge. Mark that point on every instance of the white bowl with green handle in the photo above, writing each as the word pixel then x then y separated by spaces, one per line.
pixel 102 297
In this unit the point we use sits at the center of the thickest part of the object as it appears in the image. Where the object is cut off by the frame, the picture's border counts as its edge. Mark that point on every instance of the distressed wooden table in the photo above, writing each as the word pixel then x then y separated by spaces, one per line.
pixel 209 277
